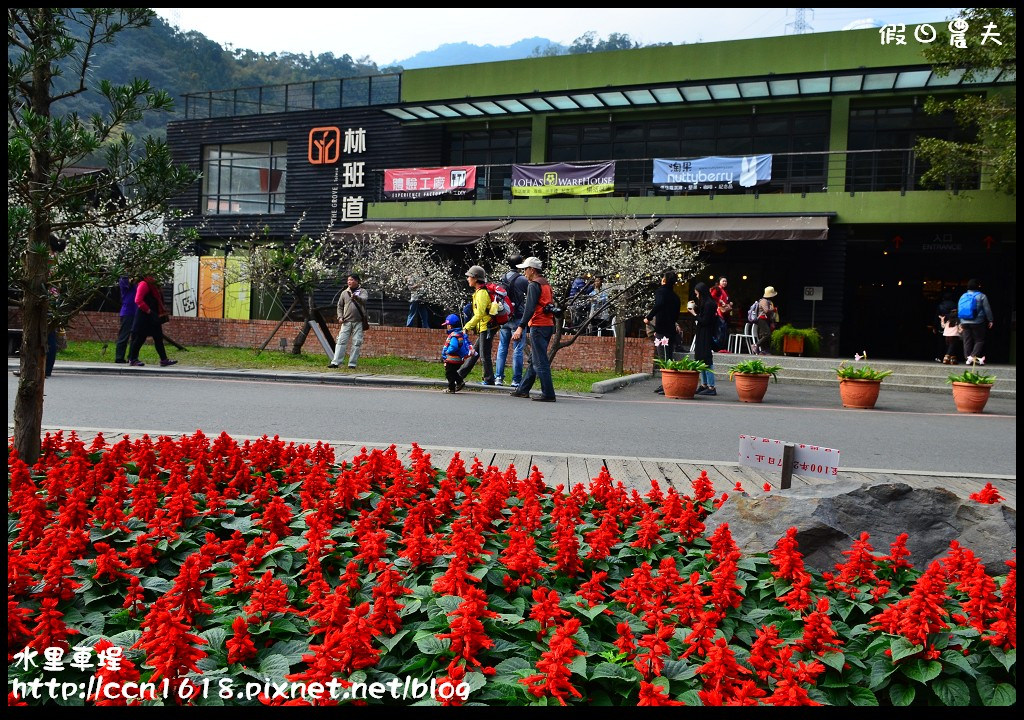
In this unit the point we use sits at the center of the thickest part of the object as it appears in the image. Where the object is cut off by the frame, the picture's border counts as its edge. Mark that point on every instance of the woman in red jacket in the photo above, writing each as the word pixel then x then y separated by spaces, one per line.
pixel 148 320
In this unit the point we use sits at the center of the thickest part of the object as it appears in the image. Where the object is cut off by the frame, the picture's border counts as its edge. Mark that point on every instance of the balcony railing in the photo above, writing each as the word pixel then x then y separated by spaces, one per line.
pixel 311 95
pixel 801 173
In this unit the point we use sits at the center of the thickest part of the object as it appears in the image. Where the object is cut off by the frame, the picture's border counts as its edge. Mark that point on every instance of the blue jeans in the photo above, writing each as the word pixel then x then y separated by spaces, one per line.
pixel 504 338
pixel 418 309
pixel 707 377
pixel 540 367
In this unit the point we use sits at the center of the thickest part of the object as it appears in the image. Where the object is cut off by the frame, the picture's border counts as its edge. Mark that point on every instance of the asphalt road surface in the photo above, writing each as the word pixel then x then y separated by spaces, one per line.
pixel 906 430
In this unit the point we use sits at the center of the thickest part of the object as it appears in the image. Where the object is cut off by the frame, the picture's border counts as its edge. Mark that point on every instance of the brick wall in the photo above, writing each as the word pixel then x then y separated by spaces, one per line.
pixel 593 354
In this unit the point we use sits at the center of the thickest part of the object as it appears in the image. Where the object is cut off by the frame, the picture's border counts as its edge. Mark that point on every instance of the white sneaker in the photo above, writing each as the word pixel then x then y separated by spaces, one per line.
pixel 969 360
pixel 980 360
pixel 499 381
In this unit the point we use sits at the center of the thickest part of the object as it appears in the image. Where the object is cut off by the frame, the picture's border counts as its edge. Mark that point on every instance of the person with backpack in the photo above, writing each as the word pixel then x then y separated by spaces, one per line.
pixel 767 316
pixel 515 284
pixel 455 351
pixel 482 323
pixel 539 313
pixel 974 314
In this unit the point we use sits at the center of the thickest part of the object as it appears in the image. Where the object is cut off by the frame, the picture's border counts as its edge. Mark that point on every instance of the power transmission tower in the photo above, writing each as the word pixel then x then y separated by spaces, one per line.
pixel 799 24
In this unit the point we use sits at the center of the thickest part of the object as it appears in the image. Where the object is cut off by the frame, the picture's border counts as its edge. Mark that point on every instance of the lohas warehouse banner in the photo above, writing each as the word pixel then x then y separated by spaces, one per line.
pixel 712 173
pixel 413 183
pixel 563 179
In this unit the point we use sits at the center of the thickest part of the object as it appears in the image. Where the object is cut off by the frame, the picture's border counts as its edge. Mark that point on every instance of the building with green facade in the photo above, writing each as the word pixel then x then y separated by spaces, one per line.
pixel 842 217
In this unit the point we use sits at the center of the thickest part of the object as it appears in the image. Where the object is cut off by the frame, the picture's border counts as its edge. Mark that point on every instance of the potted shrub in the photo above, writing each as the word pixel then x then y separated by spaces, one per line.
pixel 679 378
pixel 858 386
pixel 788 340
pixel 971 390
pixel 751 378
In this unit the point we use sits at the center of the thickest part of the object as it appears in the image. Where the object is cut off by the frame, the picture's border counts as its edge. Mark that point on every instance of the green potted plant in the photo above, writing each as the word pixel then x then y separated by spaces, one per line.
pixel 859 386
pixel 751 378
pixel 796 341
pixel 971 390
pixel 679 378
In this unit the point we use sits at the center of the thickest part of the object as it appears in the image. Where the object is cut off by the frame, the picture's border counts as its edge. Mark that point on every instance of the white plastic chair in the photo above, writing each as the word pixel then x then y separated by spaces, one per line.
pixel 736 340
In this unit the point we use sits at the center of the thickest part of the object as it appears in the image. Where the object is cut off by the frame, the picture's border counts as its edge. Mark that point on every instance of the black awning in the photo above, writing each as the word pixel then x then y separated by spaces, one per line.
pixel 775 227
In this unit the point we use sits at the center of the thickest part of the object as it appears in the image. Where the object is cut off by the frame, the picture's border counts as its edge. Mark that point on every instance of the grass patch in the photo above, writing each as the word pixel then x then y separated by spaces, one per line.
pixel 239 358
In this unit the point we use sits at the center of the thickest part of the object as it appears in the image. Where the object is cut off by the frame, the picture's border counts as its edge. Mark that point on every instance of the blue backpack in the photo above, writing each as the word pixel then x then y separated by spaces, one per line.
pixel 464 348
pixel 967 308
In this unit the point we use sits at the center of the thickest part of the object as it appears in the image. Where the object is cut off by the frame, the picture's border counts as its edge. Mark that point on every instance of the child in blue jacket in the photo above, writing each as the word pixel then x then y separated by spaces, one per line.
pixel 456 349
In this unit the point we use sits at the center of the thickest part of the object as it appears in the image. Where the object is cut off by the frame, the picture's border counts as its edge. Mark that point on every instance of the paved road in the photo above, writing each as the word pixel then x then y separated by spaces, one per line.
pixel 907 431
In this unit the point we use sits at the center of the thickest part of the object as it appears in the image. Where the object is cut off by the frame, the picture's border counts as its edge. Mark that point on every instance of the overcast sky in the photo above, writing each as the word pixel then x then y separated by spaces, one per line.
pixel 387 35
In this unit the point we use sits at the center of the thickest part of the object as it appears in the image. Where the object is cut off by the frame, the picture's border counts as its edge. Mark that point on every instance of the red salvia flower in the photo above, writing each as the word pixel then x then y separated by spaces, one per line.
pixel 240 645
pixel 819 636
pixel 591 590
pixel 386 592
pixel 721 674
pixel 703 488
pixel 466 631
pixel 269 597
pixel 169 646
pixel 988 495
pixel 552 678
pixel 652 695
pixel 546 610
pixel 920 614
pixel 625 642
pixel 650 662
pixel 114 674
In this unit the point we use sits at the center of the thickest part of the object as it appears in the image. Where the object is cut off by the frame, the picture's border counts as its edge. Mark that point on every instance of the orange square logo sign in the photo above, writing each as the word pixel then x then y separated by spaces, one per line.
pixel 324 145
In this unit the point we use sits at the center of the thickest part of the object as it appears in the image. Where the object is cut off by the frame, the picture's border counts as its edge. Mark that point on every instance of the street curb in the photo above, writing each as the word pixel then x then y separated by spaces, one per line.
pixel 605 386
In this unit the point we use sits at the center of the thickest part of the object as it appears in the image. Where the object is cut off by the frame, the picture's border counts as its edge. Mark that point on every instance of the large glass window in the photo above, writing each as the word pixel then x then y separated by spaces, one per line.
pixel 245 178
pixel 888 134
pixel 493 152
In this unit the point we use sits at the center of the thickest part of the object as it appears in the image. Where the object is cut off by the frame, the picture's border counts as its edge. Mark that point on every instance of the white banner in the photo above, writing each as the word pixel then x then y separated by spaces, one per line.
pixel 809 460
pixel 186 284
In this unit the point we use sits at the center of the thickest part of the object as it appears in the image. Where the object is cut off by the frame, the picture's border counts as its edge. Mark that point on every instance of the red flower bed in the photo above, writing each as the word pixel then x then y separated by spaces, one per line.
pixel 204 572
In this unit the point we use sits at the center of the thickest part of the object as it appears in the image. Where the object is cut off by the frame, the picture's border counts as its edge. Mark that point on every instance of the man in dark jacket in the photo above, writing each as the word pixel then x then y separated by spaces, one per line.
pixel 665 314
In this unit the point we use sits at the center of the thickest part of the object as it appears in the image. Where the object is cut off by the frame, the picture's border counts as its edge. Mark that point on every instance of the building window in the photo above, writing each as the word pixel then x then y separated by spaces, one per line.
pixel 493 152
pixel 245 178
pixel 890 133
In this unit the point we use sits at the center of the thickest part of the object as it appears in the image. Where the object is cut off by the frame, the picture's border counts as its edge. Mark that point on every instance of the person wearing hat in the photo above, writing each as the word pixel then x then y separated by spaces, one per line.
pixel 540 319
pixel 516 285
pixel 455 351
pixel 482 324
pixel 767 317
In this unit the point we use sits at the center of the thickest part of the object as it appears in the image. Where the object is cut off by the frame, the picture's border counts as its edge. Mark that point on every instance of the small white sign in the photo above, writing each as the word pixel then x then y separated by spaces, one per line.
pixel 813 292
pixel 809 460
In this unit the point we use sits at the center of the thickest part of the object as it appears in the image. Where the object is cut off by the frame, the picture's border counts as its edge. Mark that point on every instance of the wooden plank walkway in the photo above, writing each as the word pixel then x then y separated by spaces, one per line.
pixel 633 472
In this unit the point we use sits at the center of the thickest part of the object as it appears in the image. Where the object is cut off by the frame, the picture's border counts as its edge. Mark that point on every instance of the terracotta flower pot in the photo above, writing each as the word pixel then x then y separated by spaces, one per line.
pixel 970 397
pixel 680 383
pixel 859 393
pixel 792 345
pixel 751 387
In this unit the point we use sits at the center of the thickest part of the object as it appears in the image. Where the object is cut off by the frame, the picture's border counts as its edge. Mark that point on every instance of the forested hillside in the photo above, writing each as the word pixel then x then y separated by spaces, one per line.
pixel 187 62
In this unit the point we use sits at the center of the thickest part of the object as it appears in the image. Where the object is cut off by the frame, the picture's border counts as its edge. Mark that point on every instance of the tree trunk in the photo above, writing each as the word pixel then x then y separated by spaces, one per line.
pixel 28 403
pixel 300 338
pixel 620 345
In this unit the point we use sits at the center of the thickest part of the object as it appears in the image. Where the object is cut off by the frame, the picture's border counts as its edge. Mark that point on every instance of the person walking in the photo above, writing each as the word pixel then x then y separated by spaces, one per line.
pixel 721 295
pixel 946 306
pixel 767 317
pixel 951 334
pixel 149 318
pixel 455 351
pixel 482 324
pixel 707 324
pixel 665 315
pixel 352 316
pixel 417 308
pixel 974 313
pixel 539 317
pixel 127 286
pixel 516 285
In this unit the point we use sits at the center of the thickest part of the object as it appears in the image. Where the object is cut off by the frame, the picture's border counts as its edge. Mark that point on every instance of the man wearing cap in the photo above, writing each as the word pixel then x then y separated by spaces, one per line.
pixel 537 315
pixel 767 316
pixel 482 324
pixel 516 285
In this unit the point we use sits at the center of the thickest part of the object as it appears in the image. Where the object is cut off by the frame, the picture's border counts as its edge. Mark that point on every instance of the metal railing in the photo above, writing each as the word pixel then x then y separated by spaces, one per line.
pixel 802 173
pixel 292 97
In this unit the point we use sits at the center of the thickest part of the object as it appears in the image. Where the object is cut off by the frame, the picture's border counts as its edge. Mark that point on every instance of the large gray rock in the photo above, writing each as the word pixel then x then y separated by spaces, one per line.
pixel 829 517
